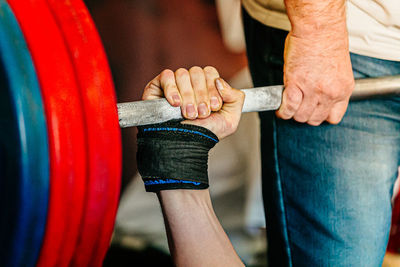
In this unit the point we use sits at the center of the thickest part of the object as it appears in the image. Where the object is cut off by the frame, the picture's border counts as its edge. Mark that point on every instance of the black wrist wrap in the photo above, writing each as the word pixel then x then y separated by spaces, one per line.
pixel 172 155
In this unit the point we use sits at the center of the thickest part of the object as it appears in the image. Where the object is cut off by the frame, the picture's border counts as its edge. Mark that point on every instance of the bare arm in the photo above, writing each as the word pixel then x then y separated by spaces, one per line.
pixel 317 71
pixel 195 235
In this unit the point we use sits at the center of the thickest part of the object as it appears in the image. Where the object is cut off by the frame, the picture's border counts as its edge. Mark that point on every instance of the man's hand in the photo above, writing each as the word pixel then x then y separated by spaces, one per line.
pixel 198 92
pixel 317 71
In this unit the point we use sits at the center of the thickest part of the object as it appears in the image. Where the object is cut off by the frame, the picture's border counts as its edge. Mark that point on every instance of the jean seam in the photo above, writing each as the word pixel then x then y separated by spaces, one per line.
pixel 281 199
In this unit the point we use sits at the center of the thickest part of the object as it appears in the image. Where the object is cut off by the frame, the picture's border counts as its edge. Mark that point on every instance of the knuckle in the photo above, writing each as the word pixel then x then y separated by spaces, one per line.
pixel 166 73
pixel 347 80
pixel 293 97
pixel 200 98
pixel 290 107
pixel 195 70
pixel 187 94
pixel 333 93
pixel 171 88
pixel 200 90
pixel 339 90
pixel 181 72
pixel 210 70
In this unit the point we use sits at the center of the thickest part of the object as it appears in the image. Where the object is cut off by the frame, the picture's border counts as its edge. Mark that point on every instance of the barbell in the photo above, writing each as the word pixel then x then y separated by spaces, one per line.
pixel 60 144
pixel 256 99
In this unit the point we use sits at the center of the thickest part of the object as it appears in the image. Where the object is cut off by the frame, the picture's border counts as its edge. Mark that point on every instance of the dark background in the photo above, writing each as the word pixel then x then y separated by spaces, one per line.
pixel 143 37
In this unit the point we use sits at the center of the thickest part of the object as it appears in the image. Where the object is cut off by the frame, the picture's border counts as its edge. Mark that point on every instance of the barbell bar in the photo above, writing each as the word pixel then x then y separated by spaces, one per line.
pixel 256 99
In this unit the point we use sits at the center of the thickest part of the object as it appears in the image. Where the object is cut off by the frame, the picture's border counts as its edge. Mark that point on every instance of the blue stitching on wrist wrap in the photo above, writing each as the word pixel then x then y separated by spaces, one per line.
pixel 179 130
pixel 172 155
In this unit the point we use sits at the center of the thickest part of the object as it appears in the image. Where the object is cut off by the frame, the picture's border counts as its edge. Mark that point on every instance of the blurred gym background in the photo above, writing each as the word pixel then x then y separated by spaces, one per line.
pixel 141 39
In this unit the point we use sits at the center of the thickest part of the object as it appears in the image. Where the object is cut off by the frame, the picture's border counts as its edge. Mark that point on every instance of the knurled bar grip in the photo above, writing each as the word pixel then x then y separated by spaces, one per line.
pixel 257 99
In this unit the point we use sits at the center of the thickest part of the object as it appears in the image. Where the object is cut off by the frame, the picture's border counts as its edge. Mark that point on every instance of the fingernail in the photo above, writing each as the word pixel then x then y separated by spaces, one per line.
pixel 176 98
pixel 214 102
pixel 190 111
pixel 219 84
pixel 203 110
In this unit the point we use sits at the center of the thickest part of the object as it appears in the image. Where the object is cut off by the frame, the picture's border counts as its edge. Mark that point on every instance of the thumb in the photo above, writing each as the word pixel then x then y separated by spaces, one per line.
pixel 232 99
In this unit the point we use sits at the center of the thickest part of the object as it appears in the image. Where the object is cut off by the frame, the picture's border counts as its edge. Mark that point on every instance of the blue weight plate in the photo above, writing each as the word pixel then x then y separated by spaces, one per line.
pixel 24 156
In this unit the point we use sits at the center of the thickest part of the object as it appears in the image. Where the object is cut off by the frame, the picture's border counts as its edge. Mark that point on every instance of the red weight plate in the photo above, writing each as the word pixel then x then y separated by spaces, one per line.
pixel 394 238
pixel 66 130
pixel 104 138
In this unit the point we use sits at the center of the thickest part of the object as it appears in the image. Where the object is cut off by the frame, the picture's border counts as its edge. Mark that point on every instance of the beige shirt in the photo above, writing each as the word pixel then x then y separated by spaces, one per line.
pixel 373 25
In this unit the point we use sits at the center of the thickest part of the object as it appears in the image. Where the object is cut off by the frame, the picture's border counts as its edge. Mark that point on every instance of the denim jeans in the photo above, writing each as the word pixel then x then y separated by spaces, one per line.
pixel 327 190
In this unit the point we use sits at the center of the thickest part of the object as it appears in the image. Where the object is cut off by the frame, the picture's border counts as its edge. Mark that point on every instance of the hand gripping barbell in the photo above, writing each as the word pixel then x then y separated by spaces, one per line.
pixel 256 99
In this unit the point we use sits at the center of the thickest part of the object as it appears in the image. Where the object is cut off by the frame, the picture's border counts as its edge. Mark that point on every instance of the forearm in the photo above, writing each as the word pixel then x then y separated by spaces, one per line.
pixel 315 17
pixel 318 76
pixel 195 235
pixel 180 150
